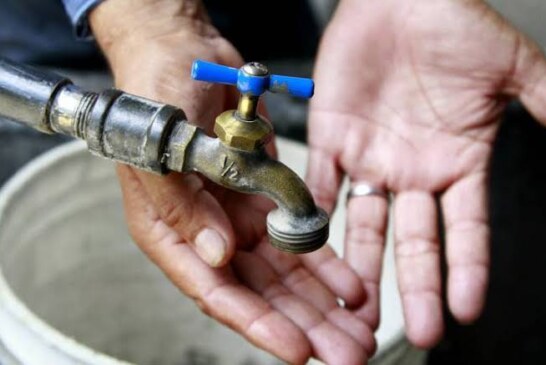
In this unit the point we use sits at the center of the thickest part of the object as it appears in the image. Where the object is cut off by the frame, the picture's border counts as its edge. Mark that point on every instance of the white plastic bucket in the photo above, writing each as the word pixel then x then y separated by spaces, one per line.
pixel 74 289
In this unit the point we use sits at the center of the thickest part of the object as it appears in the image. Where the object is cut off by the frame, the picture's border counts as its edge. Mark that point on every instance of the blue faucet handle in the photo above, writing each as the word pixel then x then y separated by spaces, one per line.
pixel 213 72
pixel 252 79
pixel 295 86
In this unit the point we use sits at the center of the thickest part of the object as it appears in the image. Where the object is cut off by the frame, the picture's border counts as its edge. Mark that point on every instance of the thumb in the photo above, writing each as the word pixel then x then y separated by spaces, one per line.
pixel 182 203
pixel 529 78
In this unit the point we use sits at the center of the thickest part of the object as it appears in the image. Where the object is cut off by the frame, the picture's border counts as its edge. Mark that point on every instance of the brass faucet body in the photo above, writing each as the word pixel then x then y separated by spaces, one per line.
pixel 297 225
pixel 247 135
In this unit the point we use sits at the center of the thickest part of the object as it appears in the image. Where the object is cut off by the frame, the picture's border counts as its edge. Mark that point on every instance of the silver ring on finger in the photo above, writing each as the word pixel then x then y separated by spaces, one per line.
pixel 366 189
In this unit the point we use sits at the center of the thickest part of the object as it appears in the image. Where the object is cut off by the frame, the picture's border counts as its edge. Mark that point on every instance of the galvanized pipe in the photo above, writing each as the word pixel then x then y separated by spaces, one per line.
pixel 26 94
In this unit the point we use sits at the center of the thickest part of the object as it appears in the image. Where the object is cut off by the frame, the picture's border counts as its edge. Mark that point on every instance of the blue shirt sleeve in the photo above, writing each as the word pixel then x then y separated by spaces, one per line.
pixel 77 12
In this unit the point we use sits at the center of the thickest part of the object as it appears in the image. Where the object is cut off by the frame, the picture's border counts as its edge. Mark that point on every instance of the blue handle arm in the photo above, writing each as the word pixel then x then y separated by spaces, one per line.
pixel 296 86
pixel 252 84
pixel 215 73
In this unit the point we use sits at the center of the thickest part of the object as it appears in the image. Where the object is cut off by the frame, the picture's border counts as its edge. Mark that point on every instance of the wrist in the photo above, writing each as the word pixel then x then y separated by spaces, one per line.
pixel 117 23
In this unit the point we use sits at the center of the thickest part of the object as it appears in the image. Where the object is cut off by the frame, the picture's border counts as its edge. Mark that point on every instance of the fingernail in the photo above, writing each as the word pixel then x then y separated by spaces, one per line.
pixel 210 246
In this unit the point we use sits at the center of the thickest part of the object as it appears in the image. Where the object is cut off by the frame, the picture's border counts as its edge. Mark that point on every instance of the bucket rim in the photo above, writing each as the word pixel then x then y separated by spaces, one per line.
pixel 10 303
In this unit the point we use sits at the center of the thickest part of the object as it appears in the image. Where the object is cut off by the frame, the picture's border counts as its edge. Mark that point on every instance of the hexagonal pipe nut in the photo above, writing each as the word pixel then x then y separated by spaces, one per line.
pixel 241 134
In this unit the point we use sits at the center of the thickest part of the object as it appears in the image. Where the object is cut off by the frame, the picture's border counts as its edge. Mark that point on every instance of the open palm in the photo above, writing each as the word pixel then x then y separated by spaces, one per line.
pixel 283 304
pixel 409 95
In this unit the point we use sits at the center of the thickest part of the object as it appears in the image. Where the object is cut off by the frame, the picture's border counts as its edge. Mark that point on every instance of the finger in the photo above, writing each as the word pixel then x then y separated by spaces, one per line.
pixel 364 247
pixel 296 278
pixel 183 204
pixel 323 178
pixel 467 238
pixel 336 275
pixel 330 344
pixel 215 290
pixel 529 78
pixel 418 266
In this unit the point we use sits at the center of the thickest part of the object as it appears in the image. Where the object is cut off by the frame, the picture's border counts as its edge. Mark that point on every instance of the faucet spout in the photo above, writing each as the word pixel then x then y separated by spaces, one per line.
pixel 297 225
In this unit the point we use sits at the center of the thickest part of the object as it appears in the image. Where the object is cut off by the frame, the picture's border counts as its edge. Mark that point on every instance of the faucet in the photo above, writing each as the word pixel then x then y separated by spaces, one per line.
pixel 157 138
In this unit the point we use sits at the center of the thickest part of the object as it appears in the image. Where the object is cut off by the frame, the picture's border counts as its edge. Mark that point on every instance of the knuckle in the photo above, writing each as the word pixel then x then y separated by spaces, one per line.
pixel 364 235
pixel 174 215
pixel 416 247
